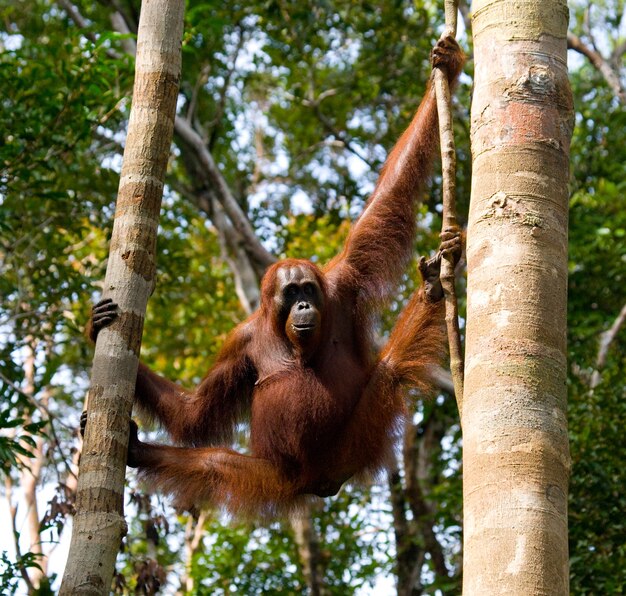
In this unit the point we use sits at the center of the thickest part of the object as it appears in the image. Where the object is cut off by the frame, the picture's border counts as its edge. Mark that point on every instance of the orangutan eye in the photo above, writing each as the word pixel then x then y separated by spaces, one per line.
pixel 309 290
pixel 291 290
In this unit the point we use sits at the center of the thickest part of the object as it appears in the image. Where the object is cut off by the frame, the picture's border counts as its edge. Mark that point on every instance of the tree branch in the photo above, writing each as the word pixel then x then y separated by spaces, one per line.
pixel 121 25
pixel 603 66
pixel 241 226
pixel 221 105
pixel 417 502
pixel 224 195
pixel 409 552
pixel 341 136
pixel 240 223
pixel 201 80
pixel 200 193
pixel 308 543
pixel 194 530
pixel 466 16
pixel 606 339
pixel 74 14
pixel 8 492
pixel 448 173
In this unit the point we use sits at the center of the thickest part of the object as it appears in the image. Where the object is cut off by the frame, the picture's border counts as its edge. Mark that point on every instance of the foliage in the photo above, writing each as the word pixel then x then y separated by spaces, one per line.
pixel 10 571
pixel 247 559
pixel 194 305
pixel 299 104
pixel 597 292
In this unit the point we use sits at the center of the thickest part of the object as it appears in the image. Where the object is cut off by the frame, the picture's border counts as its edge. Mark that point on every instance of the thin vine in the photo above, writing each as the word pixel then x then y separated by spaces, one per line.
pixel 448 166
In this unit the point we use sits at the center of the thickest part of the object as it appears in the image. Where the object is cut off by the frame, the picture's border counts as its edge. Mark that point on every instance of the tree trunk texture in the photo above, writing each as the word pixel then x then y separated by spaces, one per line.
pixel 307 540
pixel 30 476
pixel 409 558
pixel 99 525
pixel 516 457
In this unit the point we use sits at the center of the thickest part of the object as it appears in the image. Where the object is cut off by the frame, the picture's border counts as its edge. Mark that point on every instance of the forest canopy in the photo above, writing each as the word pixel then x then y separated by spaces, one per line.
pixel 296 106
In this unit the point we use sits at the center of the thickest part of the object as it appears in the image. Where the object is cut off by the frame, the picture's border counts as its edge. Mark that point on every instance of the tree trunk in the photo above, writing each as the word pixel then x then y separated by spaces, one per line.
pixel 308 542
pixel 516 457
pixel 30 476
pixel 99 524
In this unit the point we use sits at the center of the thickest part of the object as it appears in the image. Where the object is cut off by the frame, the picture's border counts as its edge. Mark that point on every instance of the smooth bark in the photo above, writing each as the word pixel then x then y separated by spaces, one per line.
pixel 516 458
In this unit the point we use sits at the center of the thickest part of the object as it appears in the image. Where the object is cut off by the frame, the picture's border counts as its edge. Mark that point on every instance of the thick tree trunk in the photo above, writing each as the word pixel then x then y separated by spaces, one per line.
pixel 99 521
pixel 516 457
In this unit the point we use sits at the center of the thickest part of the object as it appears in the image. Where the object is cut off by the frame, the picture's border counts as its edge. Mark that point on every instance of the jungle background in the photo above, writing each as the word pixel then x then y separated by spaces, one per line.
pixel 296 106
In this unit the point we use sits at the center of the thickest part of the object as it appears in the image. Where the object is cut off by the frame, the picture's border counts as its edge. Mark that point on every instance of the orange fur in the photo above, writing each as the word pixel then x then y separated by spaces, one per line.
pixel 317 418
